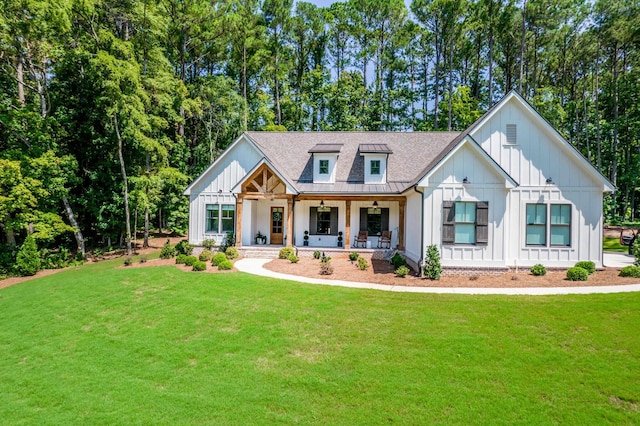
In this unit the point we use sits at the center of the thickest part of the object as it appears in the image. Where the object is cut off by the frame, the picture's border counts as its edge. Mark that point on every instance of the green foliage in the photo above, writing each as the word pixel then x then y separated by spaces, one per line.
pixel 293 258
pixel 353 256
pixel 229 241
pixel 285 252
pixel 577 274
pixel 397 261
pixel 190 260
pixel 208 243
pixel 402 271
pixel 183 247
pixel 630 271
pixel 231 253
pixel 128 260
pixel 217 258
pixel 587 265
pixel 325 259
pixel 144 258
pixel 181 259
pixel 316 254
pixel 28 258
pixel 635 250
pixel 199 266
pixel 538 270
pixel 55 259
pixel 225 265
pixel 362 263
pixel 168 251
pixel 432 266
pixel 205 255
pixel 326 268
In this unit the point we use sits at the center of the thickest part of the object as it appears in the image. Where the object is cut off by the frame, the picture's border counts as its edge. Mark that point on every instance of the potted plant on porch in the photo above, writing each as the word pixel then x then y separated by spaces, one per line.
pixel 340 239
pixel 261 239
pixel 306 238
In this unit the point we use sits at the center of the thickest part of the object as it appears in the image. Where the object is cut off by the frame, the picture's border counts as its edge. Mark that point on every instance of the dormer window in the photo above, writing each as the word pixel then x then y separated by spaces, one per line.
pixel 375 167
pixel 323 167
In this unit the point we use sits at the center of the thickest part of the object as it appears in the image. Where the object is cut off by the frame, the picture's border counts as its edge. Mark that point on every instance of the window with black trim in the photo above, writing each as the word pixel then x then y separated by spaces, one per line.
pixel 323 167
pixel 374 220
pixel 375 167
pixel 220 218
pixel 557 216
pixel 465 222
pixel 323 221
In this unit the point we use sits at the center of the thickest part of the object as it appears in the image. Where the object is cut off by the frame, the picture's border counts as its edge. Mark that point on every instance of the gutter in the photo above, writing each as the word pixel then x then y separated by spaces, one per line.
pixel 421 260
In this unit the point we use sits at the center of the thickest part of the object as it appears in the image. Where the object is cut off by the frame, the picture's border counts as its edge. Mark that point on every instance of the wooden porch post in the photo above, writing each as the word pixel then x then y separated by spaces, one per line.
pixel 402 205
pixel 347 227
pixel 239 203
pixel 290 221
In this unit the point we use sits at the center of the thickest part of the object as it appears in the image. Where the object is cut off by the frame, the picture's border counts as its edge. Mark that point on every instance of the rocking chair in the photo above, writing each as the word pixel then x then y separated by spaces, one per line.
pixel 361 239
pixel 385 239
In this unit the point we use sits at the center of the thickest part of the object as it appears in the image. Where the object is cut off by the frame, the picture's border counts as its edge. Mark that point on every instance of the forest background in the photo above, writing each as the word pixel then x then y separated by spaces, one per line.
pixel 109 108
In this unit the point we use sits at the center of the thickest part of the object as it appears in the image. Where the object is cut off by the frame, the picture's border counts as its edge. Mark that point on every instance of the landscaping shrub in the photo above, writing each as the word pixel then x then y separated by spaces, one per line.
pixel 231 253
pixel 397 261
pixel 184 247
pixel 293 258
pixel 168 251
pixel 577 274
pixel 353 256
pixel 316 254
pixel 325 259
pixel 432 266
pixel 225 265
pixel 326 268
pixel 538 270
pixel 143 258
pixel 218 258
pixel 635 251
pixel 208 243
pixel 205 256
pixel 362 263
pixel 402 271
pixel 587 265
pixel 199 265
pixel 181 259
pixel 190 260
pixel 54 260
pixel 28 258
pixel 285 252
pixel 630 271
pixel 128 260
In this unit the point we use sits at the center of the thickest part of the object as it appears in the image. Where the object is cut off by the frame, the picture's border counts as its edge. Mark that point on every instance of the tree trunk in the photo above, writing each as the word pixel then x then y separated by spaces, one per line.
pixel 522 40
pixel 126 188
pixel 145 242
pixel 72 220
pixel 598 142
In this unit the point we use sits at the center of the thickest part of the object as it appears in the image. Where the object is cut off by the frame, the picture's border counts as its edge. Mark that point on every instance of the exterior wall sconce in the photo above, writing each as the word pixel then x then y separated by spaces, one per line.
pixel 375 205
pixel 466 180
pixel 550 181
pixel 321 203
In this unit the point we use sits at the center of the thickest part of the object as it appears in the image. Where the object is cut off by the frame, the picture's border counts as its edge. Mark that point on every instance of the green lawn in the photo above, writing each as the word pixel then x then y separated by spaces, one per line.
pixel 613 244
pixel 98 345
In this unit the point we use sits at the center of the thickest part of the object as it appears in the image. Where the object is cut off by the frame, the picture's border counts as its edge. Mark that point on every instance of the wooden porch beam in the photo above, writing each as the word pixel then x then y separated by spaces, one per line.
pixel 239 203
pixel 401 225
pixel 347 228
pixel 290 222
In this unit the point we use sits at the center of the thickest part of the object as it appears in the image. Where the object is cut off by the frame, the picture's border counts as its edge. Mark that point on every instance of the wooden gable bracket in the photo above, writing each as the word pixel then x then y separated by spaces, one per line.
pixel 263 181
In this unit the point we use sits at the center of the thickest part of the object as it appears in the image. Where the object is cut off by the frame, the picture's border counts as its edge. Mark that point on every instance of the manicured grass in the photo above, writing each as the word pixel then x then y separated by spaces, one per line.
pixel 98 345
pixel 613 244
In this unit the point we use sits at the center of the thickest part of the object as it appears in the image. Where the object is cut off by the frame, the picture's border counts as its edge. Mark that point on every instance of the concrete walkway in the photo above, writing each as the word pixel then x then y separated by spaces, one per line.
pixel 617 260
pixel 256 267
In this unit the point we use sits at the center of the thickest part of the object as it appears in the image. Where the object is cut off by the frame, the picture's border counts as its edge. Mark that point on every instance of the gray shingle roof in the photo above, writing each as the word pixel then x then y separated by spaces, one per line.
pixel 412 152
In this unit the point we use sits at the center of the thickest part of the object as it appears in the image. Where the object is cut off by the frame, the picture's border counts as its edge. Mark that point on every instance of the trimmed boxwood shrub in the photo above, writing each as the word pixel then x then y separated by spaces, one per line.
pixel 205 256
pixel 231 253
pixel 587 265
pixel 293 258
pixel 630 271
pixel 181 259
pixel 199 265
pixel 402 271
pixel 316 254
pixel 225 265
pixel 577 274
pixel 397 261
pixel 184 247
pixel 208 243
pixel 353 256
pixel 218 258
pixel 362 263
pixel 538 270
pixel 190 260
pixel 285 252
pixel 168 251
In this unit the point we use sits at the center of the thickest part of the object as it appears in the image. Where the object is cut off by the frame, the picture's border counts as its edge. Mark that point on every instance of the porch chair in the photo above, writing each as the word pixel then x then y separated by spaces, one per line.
pixel 361 239
pixel 385 239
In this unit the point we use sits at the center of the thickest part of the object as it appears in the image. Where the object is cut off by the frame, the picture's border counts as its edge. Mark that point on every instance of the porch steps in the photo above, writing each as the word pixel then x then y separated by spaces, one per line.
pixel 260 252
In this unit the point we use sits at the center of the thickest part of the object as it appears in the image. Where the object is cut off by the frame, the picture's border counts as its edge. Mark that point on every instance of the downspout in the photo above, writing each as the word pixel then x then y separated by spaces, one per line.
pixel 421 260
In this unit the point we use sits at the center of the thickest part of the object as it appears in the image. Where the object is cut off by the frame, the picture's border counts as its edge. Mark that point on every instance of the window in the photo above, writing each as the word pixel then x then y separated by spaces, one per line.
pixel 212 217
pixel 220 220
pixel 536 225
pixel 323 221
pixel 323 168
pixel 465 222
pixel 559 220
pixel 560 225
pixel 512 134
pixel 375 167
pixel 374 220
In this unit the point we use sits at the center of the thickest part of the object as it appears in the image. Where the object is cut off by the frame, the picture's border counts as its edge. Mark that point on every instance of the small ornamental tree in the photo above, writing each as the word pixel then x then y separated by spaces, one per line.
pixel 432 266
pixel 28 258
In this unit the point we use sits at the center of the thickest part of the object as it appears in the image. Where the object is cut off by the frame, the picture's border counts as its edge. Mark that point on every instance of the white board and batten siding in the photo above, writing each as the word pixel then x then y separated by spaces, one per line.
pixel 536 155
pixel 214 187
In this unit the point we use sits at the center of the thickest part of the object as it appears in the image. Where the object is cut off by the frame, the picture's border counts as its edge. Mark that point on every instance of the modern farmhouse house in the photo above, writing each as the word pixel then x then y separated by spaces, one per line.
pixel 508 191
